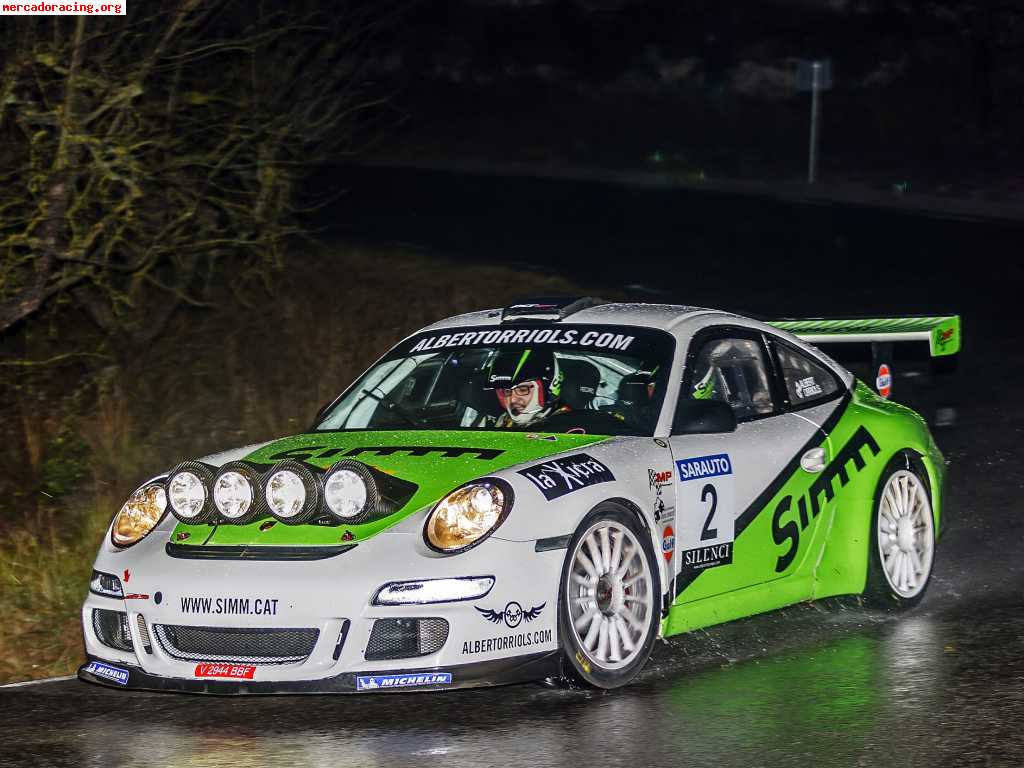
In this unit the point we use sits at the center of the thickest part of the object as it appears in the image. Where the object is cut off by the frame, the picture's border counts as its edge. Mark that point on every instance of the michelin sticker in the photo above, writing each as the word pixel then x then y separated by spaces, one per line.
pixel 705 528
pixel 378 682
pixel 107 672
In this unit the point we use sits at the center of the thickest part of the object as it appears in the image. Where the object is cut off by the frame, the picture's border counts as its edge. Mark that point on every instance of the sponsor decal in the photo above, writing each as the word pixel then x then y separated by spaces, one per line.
pixel 512 615
pixel 943 337
pixel 565 337
pixel 707 529
pixel 668 543
pixel 107 672
pixel 136 596
pixel 809 505
pixel 704 466
pixel 883 381
pixel 659 479
pixel 323 452
pixel 807 387
pixel 507 642
pixel 158 598
pixel 584 664
pixel 559 477
pixel 232 671
pixel 126 575
pixel 231 606
pixel 182 536
pixel 378 682
pixel 660 443
pixel 347 536
pixel 535 436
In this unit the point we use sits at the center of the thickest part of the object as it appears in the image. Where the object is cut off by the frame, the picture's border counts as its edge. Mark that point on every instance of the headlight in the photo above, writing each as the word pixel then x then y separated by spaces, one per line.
pixel 467 515
pixel 293 493
pixel 238 492
pixel 350 492
pixel 106 584
pixel 139 515
pixel 188 492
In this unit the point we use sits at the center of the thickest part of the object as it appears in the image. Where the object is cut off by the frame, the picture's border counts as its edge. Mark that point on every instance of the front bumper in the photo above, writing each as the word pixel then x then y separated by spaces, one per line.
pixel 334 597
pixel 519 669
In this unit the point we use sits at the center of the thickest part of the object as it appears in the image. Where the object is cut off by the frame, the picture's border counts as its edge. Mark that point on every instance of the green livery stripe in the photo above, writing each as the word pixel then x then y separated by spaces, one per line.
pixel 436 460
pixel 942 332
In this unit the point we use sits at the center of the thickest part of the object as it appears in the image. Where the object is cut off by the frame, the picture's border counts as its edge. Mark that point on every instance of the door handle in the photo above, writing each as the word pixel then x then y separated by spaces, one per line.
pixel 813 460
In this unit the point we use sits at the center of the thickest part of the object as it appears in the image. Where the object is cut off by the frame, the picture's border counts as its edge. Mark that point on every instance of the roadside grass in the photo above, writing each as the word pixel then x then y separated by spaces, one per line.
pixel 87 433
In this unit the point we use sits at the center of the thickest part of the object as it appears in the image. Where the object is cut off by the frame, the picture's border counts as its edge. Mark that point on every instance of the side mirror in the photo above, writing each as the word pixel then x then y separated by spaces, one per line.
pixel 702 417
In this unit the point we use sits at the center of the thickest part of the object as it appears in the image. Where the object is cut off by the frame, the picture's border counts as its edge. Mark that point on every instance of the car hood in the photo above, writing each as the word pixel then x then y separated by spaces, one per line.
pixel 435 460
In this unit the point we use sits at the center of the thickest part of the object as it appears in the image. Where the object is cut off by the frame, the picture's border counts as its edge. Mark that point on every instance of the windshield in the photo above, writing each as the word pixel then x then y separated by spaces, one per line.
pixel 606 380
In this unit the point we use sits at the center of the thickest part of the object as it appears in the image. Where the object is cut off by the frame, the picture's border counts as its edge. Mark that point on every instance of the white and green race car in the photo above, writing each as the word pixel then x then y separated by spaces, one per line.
pixel 539 491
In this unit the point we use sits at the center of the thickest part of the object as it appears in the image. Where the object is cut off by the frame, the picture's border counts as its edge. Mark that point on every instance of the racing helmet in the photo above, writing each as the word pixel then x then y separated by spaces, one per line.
pixel 513 367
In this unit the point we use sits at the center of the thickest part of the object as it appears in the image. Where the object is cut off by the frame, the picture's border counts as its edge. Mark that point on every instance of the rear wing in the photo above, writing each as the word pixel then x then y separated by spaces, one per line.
pixel 941 332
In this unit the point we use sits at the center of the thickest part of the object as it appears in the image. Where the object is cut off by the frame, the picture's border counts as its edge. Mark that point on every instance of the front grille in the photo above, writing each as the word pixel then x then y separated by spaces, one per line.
pixel 111 627
pixel 405 638
pixel 244 646
pixel 144 634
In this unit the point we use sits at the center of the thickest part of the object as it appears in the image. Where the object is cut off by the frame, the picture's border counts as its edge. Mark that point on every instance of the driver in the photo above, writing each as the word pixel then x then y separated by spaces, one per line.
pixel 528 383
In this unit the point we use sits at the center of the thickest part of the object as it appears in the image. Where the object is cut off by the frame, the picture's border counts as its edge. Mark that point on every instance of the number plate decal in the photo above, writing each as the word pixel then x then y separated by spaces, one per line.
pixel 705 525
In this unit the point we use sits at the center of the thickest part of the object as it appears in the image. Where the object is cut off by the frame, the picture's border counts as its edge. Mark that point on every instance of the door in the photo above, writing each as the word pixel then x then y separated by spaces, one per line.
pixel 724 481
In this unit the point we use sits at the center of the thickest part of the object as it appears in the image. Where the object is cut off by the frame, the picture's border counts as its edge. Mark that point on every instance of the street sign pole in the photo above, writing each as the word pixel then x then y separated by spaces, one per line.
pixel 814 76
pixel 812 152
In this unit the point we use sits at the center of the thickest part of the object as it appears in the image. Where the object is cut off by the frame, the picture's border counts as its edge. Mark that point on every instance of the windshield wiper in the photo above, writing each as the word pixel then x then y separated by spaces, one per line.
pixel 394 407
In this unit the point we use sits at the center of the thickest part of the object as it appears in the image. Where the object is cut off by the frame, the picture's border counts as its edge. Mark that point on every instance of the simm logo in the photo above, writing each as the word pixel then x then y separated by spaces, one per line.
pixel 808 505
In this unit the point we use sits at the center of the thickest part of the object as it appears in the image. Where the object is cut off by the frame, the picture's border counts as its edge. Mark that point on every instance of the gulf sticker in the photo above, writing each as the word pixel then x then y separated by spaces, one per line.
pixel 883 382
pixel 668 543
pixel 233 671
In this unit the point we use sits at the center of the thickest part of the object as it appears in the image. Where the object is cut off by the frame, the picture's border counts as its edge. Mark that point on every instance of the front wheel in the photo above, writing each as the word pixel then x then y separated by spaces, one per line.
pixel 608 612
pixel 902 537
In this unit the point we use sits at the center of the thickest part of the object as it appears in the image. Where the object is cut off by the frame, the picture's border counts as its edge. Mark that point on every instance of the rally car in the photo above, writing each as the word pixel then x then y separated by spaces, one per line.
pixel 538 491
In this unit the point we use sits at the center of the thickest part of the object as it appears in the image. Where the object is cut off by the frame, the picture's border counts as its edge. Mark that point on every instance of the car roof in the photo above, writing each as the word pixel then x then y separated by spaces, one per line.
pixel 663 316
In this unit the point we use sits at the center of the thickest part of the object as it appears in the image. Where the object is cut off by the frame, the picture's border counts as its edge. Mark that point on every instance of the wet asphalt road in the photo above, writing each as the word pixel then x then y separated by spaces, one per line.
pixel 825 684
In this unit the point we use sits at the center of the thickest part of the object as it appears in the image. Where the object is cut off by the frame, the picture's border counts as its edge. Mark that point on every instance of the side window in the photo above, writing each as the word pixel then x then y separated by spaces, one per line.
pixel 733 370
pixel 807 380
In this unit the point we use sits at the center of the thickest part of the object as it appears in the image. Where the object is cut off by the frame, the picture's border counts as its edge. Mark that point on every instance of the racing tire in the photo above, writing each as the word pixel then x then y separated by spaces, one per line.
pixel 609 598
pixel 902 543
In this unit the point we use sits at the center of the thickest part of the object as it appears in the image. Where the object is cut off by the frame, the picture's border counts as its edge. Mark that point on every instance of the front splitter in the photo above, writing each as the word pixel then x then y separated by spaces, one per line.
pixel 475 675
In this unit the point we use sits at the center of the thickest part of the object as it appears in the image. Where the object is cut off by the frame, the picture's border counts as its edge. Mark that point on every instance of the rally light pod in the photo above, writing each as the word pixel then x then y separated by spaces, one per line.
pixel 188 493
pixel 294 494
pixel 237 493
pixel 350 491
pixel 357 493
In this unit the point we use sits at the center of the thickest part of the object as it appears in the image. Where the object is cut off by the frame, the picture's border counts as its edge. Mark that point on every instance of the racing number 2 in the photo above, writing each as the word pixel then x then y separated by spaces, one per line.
pixel 707 532
pixel 705 526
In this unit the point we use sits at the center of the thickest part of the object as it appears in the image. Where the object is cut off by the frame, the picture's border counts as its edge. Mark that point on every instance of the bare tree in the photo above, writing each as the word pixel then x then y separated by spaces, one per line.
pixel 142 156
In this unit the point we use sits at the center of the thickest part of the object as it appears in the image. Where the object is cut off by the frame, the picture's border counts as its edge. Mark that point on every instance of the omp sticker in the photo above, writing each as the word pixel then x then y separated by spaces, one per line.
pixel 376 682
pixel 883 381
pixel 558 477
pixel 706 527
pixel 107 672
pixel 233 671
